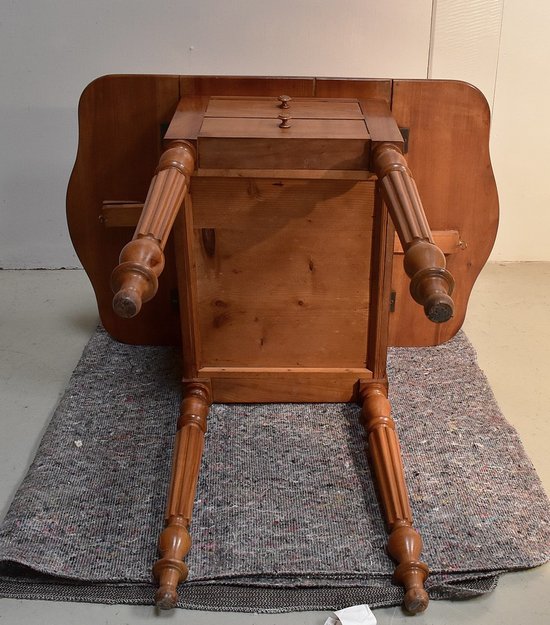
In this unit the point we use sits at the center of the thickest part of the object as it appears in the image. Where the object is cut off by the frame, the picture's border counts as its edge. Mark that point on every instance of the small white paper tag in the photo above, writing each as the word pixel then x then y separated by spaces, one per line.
pixel 355 615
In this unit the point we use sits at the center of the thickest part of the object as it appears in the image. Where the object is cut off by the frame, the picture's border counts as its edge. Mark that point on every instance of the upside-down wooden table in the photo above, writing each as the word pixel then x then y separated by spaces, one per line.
pixel 298 230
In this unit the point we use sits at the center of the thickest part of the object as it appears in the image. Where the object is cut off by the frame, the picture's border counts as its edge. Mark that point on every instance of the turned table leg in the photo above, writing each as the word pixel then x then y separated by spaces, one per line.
pixel 174 541
pixel 405 543
pixel 135 280
pixel 431 283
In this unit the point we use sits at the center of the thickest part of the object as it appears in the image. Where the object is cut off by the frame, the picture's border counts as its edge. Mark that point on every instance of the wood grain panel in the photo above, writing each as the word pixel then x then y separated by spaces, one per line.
pixel 119 145
pixel 271 108
pixel 187 119
pixel 380 123
pixel 338 154
pixel 318 386
pixel 184 239
pixel 361 88
pixel 246 86
pixel 120 120
pixel 449 157
pixel 279 334
pixel 245 199
pixel 288 283
pixel 269 128
pixel 306 174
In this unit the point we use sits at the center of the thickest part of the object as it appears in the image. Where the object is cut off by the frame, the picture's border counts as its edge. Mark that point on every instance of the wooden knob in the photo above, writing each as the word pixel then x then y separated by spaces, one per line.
pixel 285 101
pixel 285 120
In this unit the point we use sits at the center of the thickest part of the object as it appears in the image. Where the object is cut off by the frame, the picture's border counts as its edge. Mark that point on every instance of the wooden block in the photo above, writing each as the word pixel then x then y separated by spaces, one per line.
pixel 448 241
pixel 362 88
pixel 246 133
pixel 122 214
pixel 246 86
pixel 290 385
pixel 258 128
pixel 306 154
pixel 380 122
pixel 187 119
pixel 299 108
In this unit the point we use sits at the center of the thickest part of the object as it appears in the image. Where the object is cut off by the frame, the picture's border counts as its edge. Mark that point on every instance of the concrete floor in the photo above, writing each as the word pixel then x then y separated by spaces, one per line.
pixel 46 317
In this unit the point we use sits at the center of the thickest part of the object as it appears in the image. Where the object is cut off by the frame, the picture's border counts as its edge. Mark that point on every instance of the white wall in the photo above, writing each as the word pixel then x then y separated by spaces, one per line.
pixel 465 42
pixel 503 47
pixel 50 50
pixel 521 132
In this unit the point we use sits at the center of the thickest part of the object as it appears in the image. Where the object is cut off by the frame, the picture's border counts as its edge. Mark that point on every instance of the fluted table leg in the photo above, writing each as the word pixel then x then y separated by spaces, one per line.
pixel 431 283
pixel 175 541
pixel 135 279
pixel 405 543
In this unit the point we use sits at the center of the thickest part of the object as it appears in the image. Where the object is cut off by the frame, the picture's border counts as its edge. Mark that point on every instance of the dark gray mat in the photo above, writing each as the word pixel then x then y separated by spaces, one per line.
pixel 286 516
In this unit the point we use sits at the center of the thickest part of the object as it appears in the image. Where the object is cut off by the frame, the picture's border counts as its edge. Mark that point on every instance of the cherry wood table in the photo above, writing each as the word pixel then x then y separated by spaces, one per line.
pixel 301 226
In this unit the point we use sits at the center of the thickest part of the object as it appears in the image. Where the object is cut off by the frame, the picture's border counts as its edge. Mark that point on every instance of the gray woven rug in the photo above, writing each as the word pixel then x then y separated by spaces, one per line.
pixel 286 516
